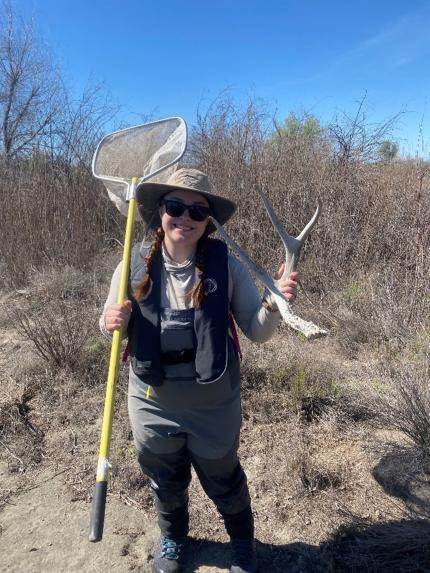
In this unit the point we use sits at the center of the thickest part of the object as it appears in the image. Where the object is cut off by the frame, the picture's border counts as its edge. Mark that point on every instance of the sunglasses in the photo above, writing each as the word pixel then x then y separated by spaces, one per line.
pixel 176 209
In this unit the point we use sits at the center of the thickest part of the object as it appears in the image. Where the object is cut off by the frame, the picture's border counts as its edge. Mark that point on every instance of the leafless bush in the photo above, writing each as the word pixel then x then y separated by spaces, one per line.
pixel 20 436
pixel 354 139
pixel 396 305
pixel 51 213
pixel 52 209
pixel 81 125
pixel 37 112
pixel 57 331
pixel 235 148
pixel 314 479
pixel 56 315
pixel 31 93
pixel 401 546
pixel 403 400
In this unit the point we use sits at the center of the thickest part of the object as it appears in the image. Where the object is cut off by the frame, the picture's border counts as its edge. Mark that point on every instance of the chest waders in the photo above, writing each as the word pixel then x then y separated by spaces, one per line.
pixel 179 421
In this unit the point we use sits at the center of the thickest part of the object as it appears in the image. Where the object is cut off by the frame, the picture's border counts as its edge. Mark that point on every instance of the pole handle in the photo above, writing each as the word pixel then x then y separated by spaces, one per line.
pixel 98 506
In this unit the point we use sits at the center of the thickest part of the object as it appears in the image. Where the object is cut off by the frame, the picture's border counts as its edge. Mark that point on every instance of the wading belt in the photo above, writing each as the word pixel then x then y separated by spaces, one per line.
pixel 178 356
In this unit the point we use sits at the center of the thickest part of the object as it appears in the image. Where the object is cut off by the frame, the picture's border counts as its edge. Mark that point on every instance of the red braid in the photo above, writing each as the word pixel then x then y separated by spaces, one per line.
pixel 141 290
pixel 198 293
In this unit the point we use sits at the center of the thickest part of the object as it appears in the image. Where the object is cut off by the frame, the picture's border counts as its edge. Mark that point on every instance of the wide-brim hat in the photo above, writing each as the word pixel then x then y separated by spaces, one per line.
pixel 149 195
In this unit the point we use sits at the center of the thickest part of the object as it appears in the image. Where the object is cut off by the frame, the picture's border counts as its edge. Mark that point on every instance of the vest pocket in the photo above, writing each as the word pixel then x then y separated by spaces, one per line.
pixel 142 368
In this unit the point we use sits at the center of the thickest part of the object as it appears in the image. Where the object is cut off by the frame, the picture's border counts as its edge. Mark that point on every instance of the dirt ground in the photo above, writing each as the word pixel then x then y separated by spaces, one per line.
pixel 313 474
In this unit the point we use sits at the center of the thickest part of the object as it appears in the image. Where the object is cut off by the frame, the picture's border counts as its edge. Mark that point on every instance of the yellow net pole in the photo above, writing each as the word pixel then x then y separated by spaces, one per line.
pixel 99 498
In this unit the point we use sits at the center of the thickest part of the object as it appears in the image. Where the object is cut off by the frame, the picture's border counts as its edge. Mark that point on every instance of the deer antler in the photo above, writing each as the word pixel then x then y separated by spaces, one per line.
pixel 292 247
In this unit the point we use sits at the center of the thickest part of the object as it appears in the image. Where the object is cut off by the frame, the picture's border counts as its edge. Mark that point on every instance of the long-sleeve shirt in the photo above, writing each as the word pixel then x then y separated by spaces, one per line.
pixel 253 319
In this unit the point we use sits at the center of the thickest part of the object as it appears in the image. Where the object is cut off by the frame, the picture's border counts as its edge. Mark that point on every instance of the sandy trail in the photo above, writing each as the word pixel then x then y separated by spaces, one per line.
pixel 43 530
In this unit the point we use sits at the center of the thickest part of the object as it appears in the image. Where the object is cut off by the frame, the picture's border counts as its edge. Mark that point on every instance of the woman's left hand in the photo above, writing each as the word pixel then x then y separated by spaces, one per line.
pixel 288 287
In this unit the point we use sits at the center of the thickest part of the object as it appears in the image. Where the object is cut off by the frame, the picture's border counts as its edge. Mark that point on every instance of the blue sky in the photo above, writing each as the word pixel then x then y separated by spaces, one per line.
pixel 168 57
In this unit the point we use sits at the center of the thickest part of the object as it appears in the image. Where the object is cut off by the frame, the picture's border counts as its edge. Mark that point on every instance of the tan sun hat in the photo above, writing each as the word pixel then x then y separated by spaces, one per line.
pixel 149 195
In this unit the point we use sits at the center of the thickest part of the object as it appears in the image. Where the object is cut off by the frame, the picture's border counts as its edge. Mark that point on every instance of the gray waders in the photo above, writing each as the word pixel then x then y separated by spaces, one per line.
pixel 183 423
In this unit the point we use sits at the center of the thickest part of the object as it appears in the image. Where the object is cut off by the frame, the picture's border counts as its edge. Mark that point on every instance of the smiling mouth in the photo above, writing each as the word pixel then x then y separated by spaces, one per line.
pixel 182 227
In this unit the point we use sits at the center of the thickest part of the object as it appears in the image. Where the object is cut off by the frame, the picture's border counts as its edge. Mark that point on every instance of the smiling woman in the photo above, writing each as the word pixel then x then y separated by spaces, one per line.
pixel 184 218
pixel 184 384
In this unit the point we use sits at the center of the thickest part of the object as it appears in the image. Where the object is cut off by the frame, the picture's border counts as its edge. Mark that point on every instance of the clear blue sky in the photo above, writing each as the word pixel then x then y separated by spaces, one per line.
pixel 168 57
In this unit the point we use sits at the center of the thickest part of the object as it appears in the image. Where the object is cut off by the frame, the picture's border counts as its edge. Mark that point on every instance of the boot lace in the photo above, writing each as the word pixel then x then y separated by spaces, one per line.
pixel 171 549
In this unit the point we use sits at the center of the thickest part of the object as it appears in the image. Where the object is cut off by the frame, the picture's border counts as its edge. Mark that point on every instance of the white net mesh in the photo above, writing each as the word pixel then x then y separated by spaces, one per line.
pixel 139 152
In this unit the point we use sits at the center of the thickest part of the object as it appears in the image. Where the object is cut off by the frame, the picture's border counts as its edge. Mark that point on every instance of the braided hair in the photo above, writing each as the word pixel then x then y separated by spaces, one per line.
pixel 197 294
pixel 142 288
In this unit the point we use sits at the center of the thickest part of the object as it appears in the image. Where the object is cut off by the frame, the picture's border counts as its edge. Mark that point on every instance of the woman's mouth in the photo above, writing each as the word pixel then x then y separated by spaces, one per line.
pixel 182 227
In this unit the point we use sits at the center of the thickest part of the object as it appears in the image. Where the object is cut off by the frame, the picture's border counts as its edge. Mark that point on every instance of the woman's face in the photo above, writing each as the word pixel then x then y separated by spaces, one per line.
pixel 183 230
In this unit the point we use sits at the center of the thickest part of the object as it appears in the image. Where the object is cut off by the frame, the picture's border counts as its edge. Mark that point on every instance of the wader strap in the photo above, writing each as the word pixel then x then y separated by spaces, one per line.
pixel 233 329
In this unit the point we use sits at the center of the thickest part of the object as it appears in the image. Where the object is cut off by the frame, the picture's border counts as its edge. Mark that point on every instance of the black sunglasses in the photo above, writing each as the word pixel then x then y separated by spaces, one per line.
pixel 176 209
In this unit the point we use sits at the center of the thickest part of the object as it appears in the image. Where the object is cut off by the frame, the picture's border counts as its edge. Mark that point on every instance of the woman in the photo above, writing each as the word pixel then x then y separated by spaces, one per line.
pixel 184 387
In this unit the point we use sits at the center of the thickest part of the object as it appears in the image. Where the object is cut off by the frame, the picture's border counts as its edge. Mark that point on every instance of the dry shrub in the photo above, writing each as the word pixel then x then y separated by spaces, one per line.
pixel 315 477
pixel 52 213
pixel 353 332
pixel 58 331
pixel 57 316
pixel 63 282
pixel 402 398
pixel 315 466
pixel 394 546
pixel 284 379
pixel 21 438
pixel 400 307
pixel 55 331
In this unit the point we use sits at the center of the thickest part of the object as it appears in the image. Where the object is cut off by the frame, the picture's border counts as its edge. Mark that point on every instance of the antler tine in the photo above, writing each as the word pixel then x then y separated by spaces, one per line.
pixel 303 235
pixel 288 241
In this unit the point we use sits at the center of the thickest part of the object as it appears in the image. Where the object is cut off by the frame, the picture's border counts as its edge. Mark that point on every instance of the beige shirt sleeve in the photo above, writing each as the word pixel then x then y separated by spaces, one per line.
pixel 256 322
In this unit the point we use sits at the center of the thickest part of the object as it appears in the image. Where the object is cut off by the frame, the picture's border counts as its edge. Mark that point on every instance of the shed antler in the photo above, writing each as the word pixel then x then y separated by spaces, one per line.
pixel 292 247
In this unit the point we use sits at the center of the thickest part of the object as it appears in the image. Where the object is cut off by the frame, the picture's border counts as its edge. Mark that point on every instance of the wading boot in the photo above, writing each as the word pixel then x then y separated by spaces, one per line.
pixel 169 555
pixel 244 556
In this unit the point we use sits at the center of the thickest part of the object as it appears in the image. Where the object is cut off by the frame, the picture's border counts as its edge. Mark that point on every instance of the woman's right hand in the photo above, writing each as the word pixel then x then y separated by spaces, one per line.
pixel 117 316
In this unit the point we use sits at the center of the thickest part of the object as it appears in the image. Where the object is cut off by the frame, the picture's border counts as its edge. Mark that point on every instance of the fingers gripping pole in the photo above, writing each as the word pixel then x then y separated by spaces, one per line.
pixel 99 498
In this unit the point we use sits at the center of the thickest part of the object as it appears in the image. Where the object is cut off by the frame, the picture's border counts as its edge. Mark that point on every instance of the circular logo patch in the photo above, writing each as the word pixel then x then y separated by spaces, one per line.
pixel 210 285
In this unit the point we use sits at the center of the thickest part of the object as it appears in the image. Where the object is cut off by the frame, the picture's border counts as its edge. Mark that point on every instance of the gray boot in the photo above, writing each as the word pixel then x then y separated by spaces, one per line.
pixel 244 556
pixel 240 528
pixel 169 555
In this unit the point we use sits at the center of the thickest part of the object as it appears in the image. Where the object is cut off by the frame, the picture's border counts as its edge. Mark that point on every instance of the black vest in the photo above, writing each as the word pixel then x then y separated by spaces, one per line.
pixel 210 322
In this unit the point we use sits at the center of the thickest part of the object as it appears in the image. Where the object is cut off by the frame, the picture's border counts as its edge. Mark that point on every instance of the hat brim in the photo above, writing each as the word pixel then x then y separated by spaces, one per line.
pixel 149 195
